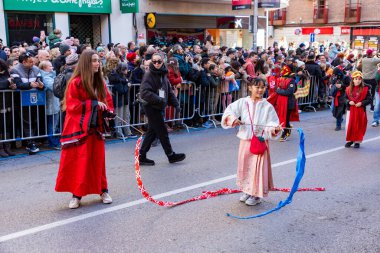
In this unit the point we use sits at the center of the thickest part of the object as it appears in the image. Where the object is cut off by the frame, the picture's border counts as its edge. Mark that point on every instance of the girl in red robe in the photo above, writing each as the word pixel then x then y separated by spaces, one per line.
pixel 88 105
pixel 358 97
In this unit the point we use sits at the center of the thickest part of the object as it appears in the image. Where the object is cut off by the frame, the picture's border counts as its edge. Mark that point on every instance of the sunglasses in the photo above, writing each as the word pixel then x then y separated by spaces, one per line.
pixel 157 62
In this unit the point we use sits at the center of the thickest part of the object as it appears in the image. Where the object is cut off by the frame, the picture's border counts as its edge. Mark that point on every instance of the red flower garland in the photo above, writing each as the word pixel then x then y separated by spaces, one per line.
pixel 204 195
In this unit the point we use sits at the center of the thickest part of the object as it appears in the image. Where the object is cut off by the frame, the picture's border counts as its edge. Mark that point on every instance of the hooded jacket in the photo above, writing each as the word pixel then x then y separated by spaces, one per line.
pixel 153 81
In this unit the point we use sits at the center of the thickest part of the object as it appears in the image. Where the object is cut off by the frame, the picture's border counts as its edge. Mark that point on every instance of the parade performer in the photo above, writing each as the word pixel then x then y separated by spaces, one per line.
pixel 358 97
pixel 338 91
pixel 284 100
pixel 156 93
pixel 88 106
pixel 259 118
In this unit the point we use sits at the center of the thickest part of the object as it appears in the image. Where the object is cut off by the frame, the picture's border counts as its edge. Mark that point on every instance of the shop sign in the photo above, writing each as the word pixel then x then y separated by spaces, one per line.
pixel 359 42
pixel 345 30
pixel 150 20
pixel 318 30
pixel 77 6
pixel 269 4
pixel 129 6
pixel 241 4
pixel 30 23
pixel 373 43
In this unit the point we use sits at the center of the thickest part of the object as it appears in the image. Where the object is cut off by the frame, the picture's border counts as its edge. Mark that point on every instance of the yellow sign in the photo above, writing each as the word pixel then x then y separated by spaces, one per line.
pixel 150 20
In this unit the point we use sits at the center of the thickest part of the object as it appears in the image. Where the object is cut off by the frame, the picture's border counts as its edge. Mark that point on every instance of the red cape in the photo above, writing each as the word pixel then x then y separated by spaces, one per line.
pixel 280 103
pixel 82 167
pixel 357 122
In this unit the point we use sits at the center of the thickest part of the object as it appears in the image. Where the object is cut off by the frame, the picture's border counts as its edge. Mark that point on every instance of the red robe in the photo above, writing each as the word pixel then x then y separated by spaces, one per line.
pixel 357 121
pixel 280 102
pixel 82 168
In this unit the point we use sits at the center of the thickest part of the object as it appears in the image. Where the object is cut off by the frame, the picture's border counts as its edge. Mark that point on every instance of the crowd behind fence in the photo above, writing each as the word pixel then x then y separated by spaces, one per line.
pixel 23 114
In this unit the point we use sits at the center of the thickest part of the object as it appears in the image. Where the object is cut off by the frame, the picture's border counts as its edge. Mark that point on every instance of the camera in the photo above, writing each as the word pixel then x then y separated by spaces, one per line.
pixel 108 115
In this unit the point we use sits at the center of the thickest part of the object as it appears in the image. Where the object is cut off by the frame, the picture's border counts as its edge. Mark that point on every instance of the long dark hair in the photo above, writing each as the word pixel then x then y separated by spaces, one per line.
pixel 260 66
pixel 93 83
pixel 173 64
pixel 3 67
pixel 361 86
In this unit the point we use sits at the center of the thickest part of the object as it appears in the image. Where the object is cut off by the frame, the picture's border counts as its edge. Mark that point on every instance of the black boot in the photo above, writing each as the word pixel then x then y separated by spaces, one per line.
pixel 2 151
pixel 7 149
pixel 145 161
pixel 173 158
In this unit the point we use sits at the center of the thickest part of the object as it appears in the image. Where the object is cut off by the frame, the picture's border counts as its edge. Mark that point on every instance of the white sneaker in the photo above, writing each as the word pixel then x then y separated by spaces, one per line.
pixel 74 203
pixel 106 198
pixel 244 197
pixel 252 201
pixel 375 124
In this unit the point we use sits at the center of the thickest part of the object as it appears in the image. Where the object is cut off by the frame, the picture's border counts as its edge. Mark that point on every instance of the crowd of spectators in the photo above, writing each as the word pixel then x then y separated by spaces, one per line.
pixel 218 72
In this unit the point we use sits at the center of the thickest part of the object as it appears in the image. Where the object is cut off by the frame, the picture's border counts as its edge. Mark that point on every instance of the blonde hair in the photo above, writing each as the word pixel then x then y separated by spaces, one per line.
pixel 44 64
pixel 54 53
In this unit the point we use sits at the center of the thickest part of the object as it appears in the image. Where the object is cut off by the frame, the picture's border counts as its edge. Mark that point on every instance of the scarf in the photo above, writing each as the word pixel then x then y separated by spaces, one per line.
pixel 336 100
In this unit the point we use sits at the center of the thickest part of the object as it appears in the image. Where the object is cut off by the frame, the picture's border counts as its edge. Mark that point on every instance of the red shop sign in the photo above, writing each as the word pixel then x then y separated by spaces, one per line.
pixel 241 4
pixel 345 30
pixel 317 30
pixel 23 23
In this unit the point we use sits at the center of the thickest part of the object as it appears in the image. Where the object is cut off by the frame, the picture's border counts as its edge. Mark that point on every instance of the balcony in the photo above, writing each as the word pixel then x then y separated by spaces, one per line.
pixel 278 17
pixel 321 14
pixel 353 11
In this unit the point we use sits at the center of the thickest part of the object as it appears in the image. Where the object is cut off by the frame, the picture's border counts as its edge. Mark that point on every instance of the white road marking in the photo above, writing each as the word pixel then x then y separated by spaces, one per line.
pixel 142 201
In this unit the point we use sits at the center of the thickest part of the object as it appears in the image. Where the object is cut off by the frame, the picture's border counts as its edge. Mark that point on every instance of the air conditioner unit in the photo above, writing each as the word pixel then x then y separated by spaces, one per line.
pixel 270 31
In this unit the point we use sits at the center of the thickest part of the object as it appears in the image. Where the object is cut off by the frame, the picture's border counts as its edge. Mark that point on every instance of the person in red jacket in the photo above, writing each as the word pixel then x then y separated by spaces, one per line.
pixel 358 97
pixel 175 80
pixel 88 106
pixel 284 100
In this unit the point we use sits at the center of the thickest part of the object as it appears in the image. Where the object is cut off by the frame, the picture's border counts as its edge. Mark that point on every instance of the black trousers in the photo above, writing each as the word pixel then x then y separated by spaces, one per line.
pixel 372 83
pixel 156 128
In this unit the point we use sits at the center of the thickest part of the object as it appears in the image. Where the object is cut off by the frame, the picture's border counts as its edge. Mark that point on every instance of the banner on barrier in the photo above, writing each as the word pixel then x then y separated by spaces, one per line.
pixel 33 98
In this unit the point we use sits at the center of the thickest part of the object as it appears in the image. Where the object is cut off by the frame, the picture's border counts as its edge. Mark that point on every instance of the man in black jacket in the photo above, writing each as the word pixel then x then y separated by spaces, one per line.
pixel 316 72
pixel 156 94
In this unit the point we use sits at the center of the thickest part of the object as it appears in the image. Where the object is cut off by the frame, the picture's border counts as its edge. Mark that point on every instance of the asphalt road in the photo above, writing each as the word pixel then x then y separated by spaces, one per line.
pixel 344 218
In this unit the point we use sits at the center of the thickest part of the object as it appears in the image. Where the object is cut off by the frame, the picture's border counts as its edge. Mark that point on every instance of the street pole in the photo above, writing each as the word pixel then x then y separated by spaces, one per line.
pixel 255 19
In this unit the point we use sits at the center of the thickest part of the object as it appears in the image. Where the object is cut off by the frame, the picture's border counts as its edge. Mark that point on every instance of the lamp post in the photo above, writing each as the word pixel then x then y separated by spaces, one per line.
pixel 255 25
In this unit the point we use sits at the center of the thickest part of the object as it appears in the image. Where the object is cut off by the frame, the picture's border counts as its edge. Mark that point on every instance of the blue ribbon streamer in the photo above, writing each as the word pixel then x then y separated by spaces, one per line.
pixel 300 169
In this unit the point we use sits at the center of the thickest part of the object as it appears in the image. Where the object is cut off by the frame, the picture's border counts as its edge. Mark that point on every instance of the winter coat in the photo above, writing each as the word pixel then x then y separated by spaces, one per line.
pixel 184 67
pixel 155 80
pixel 23 76
pixel 52 102
pixel 119 89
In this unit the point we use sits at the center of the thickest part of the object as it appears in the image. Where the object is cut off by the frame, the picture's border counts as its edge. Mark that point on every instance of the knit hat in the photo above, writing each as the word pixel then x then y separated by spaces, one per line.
pixel 36 39
pixel 98 49
pixel 63 48
pixel 286 71
pixel 150 50
pixel 357 74
pixel 369 52
pixel 300 63
pixel 302 45
pixel 72 59
pixel 131 57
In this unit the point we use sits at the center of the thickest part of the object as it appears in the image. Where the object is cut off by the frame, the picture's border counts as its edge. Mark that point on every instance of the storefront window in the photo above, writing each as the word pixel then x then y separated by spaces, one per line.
pixel 24 26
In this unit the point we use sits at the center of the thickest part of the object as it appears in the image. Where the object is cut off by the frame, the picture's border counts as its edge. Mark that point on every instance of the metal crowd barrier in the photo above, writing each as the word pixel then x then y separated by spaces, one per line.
pixel 23 113
pixel 131 111
pixel 23 116
pixel 212 101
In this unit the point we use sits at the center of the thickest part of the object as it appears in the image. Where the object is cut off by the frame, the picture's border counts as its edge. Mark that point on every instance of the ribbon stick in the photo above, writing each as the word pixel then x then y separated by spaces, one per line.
pixel 204 195
pixel 300 169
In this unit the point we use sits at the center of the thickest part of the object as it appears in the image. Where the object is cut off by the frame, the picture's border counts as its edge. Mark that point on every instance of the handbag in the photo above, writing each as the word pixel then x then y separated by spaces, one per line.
pixel 258 145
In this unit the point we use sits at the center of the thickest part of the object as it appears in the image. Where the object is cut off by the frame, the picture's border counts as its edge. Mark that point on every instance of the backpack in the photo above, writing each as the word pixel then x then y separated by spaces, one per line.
pixel 59 85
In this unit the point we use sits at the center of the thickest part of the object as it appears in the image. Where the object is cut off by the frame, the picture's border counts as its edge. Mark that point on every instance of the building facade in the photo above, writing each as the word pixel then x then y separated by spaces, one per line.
pixel 354 21
pixel 103 21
